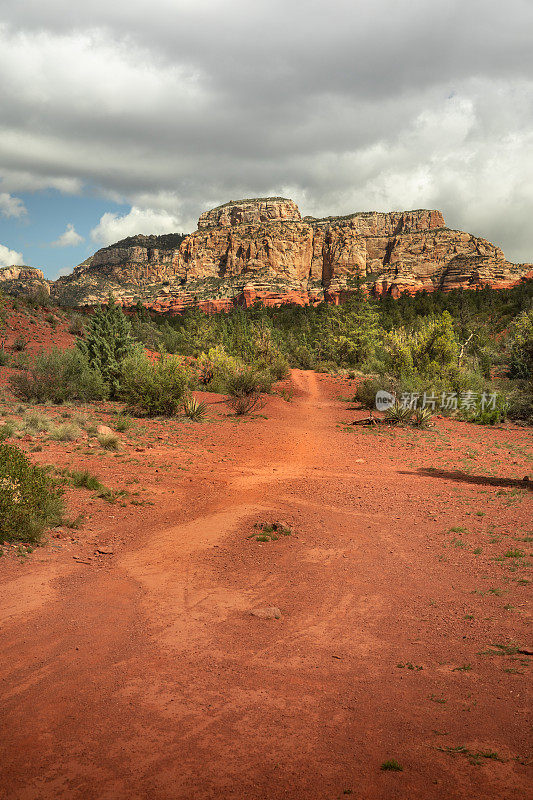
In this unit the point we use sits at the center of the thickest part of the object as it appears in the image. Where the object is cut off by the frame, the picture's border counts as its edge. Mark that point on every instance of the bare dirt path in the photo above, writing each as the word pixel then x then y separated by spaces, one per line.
pixel 150 678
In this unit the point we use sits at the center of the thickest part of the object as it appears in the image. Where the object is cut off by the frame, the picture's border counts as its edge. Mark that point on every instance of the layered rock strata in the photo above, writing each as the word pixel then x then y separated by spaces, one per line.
pixel 262 249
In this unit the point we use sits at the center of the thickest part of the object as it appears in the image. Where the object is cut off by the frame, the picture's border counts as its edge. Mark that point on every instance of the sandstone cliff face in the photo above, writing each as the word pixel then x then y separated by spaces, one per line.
pixel 23 281
pixel 263 250
pixel 250 212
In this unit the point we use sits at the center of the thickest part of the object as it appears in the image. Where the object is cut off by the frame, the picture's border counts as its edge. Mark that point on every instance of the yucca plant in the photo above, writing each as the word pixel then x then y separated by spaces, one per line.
pixel 422 418
pixel 398 414
pixel 194 409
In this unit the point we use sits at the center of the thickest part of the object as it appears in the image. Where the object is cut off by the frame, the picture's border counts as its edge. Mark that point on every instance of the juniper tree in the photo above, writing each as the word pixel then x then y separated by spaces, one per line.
pixel 107 342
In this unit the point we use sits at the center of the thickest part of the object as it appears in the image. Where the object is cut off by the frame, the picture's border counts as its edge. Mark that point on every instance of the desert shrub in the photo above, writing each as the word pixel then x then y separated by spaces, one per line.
pixel 216 368
pixel 398 414
pixel 422 417
pixel 40 298
pixel 109 441
pixel 108 341
pixel 303 357
pixel 7 430
pixel 520 361
pixel 123 423
pixel 77 325
pixel 366 390
pixel 20 360
pixel 83 479
pixel 3 313
pixel 194 409
pixel 326 367
pixel 66 433
pixel 275 364
pixel 153 388
pixel 146 332
pixel 20 344
pixel 58 376
pixel 520 404
pixel 35 422
pixel 487 416
pixel 5 357
pixel 30 500
pixel 245 389
pixel 429 352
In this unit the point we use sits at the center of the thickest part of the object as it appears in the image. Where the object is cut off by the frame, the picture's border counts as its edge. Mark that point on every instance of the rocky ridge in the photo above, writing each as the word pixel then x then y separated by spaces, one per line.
pixel 262 249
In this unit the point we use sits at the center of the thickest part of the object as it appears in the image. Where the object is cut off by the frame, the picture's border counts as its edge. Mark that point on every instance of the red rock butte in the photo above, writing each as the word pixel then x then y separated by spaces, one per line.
pixel 261 249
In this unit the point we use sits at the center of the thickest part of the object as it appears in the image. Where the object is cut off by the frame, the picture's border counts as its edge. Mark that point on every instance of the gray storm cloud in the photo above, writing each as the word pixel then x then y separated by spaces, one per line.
pixel 175 106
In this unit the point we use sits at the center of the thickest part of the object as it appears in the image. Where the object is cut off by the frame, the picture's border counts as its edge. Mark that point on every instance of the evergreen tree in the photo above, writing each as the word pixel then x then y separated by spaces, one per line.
pixel 107 342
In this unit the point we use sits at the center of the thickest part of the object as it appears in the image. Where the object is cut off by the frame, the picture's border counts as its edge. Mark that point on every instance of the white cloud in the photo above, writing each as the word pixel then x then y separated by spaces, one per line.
pixel 69 238
pixel 410 103
pixel 113 227
pixel 10 258
pixel 12 206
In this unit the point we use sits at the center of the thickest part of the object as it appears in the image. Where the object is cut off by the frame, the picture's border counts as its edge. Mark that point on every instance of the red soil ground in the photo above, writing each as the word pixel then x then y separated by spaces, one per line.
pixel 141 673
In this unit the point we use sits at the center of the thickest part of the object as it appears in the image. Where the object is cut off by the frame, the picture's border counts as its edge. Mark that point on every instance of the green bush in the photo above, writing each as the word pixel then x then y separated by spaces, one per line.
pixel 430 352
pixel 20 344
pixel 77 325
pixel 487 416
pixel 4 357
pixel 216 368
pixel 303 357
pixel 58 376
pixel 109 441
pixel 107 342
pixel 7 430
pixel 245 388
pixel 366 390
pixel 30 500
pixel 521 404
pixel 66 433
pixel 153 389
pixel 34 422
pixel 122 423
pixel 195 410
pixel 520 362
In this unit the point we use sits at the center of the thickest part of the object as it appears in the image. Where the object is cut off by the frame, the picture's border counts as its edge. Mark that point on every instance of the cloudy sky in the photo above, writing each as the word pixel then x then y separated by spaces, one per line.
pixel 133 116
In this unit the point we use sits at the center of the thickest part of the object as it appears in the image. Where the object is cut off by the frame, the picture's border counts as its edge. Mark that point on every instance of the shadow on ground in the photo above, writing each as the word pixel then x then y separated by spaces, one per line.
pixel 479 480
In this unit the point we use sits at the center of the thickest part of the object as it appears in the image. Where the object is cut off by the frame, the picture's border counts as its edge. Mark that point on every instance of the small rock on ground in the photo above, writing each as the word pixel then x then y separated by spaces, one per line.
pixel 271 612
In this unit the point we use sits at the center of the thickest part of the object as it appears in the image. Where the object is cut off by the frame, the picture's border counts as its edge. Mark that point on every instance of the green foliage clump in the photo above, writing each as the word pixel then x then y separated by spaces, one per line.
pixel 7 430
pixel 520 362
pixel 20 344
pixel 109 441
pixel 391 766
pixel 245 388
pixel 30 500
pixel 215 368
pixel 458 341
pixel 431 351
pixel 107 342
pixel 68 432
pixel 487 415
pixel 151 388
pixel 58 376
pixel 77 325
pixel 4 357
pixel 195 410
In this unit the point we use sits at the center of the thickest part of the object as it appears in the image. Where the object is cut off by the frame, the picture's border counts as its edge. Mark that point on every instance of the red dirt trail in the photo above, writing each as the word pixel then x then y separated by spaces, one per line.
pixel 146 676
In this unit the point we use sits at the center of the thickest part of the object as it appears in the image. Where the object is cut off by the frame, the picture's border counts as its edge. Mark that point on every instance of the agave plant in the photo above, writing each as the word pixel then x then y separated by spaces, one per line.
pixel 194 409
pixel 398 414
pixel 422 417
